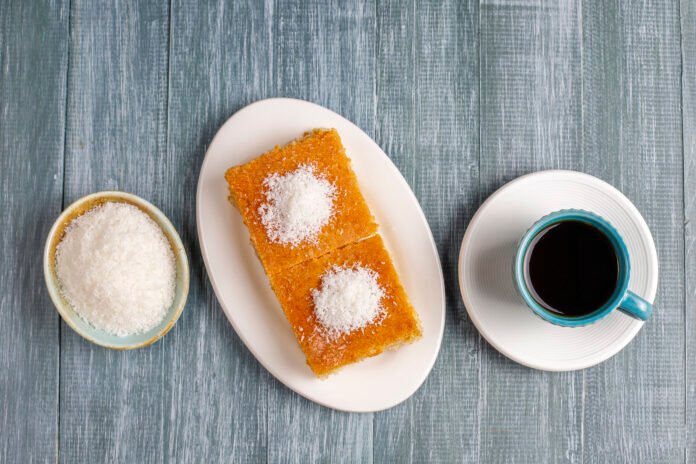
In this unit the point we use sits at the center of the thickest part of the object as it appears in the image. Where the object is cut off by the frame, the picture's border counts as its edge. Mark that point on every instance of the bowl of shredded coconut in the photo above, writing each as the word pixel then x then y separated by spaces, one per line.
pixel 116 270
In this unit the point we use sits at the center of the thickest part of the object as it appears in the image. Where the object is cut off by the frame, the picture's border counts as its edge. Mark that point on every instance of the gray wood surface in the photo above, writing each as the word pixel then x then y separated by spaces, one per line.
pixel 33 65
pixel 462 95
pixel 118 406
pixel 688 58
pixel 427 113
pixel 633 135
pixel 531 119
pixel 221 391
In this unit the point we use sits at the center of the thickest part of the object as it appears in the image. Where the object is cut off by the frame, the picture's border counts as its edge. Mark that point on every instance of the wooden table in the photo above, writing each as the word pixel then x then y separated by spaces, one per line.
pixel 462 95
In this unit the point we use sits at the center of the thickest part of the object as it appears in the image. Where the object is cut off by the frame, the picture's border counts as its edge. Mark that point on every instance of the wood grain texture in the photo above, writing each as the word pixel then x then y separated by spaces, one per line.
pixel 396 95
pixel 324 52
pixel 688 81
pixel 632 137
pixel 119 406
pixel 531 114
pixel 219 62
pixel 33 64
pixel 462 96
pixel 427 122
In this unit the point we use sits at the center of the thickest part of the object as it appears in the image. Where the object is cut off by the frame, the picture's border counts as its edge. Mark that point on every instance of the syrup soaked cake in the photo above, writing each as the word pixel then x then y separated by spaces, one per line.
pixel 300 201
pixel 346 305
pixel 315 237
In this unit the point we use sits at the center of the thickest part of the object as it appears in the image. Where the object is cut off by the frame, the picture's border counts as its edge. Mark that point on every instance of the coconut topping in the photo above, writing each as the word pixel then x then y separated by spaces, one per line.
pixel 349 299
pixel 298 205
pixel 116 269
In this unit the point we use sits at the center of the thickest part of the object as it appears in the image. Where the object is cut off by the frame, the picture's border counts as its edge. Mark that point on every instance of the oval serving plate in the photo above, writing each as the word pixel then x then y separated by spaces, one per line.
pixel 243 290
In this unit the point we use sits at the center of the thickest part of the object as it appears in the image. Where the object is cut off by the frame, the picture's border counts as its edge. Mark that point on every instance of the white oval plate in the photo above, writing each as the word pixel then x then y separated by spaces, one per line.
pixel 485 270
pixel 243 290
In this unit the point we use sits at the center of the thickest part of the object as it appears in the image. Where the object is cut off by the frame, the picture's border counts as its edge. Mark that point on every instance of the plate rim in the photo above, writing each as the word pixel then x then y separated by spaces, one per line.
pixel 640 222
pixel 411 197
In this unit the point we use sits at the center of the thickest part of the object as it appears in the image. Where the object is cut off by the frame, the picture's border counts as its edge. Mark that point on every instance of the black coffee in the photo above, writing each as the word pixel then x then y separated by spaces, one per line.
pixel 571 268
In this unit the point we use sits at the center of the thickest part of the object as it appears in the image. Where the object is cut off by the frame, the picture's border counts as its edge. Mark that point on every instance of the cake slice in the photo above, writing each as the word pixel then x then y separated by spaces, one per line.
pixel 330 304
pixel 300 201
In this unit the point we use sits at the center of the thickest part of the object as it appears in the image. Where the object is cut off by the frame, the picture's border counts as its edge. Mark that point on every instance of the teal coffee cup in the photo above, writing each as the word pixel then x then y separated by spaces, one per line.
pixel 572 268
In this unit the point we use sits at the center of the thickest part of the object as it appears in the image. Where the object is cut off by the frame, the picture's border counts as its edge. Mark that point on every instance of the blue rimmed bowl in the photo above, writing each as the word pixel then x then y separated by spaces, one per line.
pixel 79 325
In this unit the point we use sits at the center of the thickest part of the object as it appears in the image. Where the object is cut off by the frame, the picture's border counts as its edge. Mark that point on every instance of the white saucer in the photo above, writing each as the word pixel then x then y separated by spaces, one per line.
pixel 485 270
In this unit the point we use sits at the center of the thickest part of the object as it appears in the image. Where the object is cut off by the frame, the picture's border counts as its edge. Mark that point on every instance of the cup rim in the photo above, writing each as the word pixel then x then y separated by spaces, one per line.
pixel 619 246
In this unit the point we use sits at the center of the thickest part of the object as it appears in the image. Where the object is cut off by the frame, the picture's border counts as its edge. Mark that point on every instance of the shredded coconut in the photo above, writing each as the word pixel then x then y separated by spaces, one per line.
pixel 298 204
pixel 349 299
pixel 116 269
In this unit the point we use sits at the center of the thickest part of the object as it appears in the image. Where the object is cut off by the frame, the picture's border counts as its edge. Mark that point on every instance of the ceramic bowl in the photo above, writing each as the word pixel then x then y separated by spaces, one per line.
pixel 66 311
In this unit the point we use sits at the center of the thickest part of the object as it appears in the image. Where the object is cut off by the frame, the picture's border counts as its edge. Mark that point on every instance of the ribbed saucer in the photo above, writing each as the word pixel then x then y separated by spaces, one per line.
pixel 488 289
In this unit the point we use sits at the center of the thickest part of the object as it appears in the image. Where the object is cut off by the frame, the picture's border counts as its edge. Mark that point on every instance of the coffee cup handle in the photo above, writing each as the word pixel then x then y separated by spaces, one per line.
pixel 635 306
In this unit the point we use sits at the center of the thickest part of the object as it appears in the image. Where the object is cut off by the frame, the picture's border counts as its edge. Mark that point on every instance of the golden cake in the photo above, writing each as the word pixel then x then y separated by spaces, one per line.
pixel 297 287
pixel 318 153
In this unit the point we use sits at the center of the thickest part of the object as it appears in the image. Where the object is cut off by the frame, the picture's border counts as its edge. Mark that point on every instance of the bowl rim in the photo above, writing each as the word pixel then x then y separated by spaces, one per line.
pixel 153 212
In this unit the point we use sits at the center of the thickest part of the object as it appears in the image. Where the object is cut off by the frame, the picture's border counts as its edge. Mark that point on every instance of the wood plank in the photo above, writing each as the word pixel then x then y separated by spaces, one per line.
pixel 220 62
pixel 396 95
pixel 427 122
pixel 33 67
pixel 531 119
pixel 632 137
pixel 123 406
pixel 187 396
pixel 688 82
pixel 323 52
